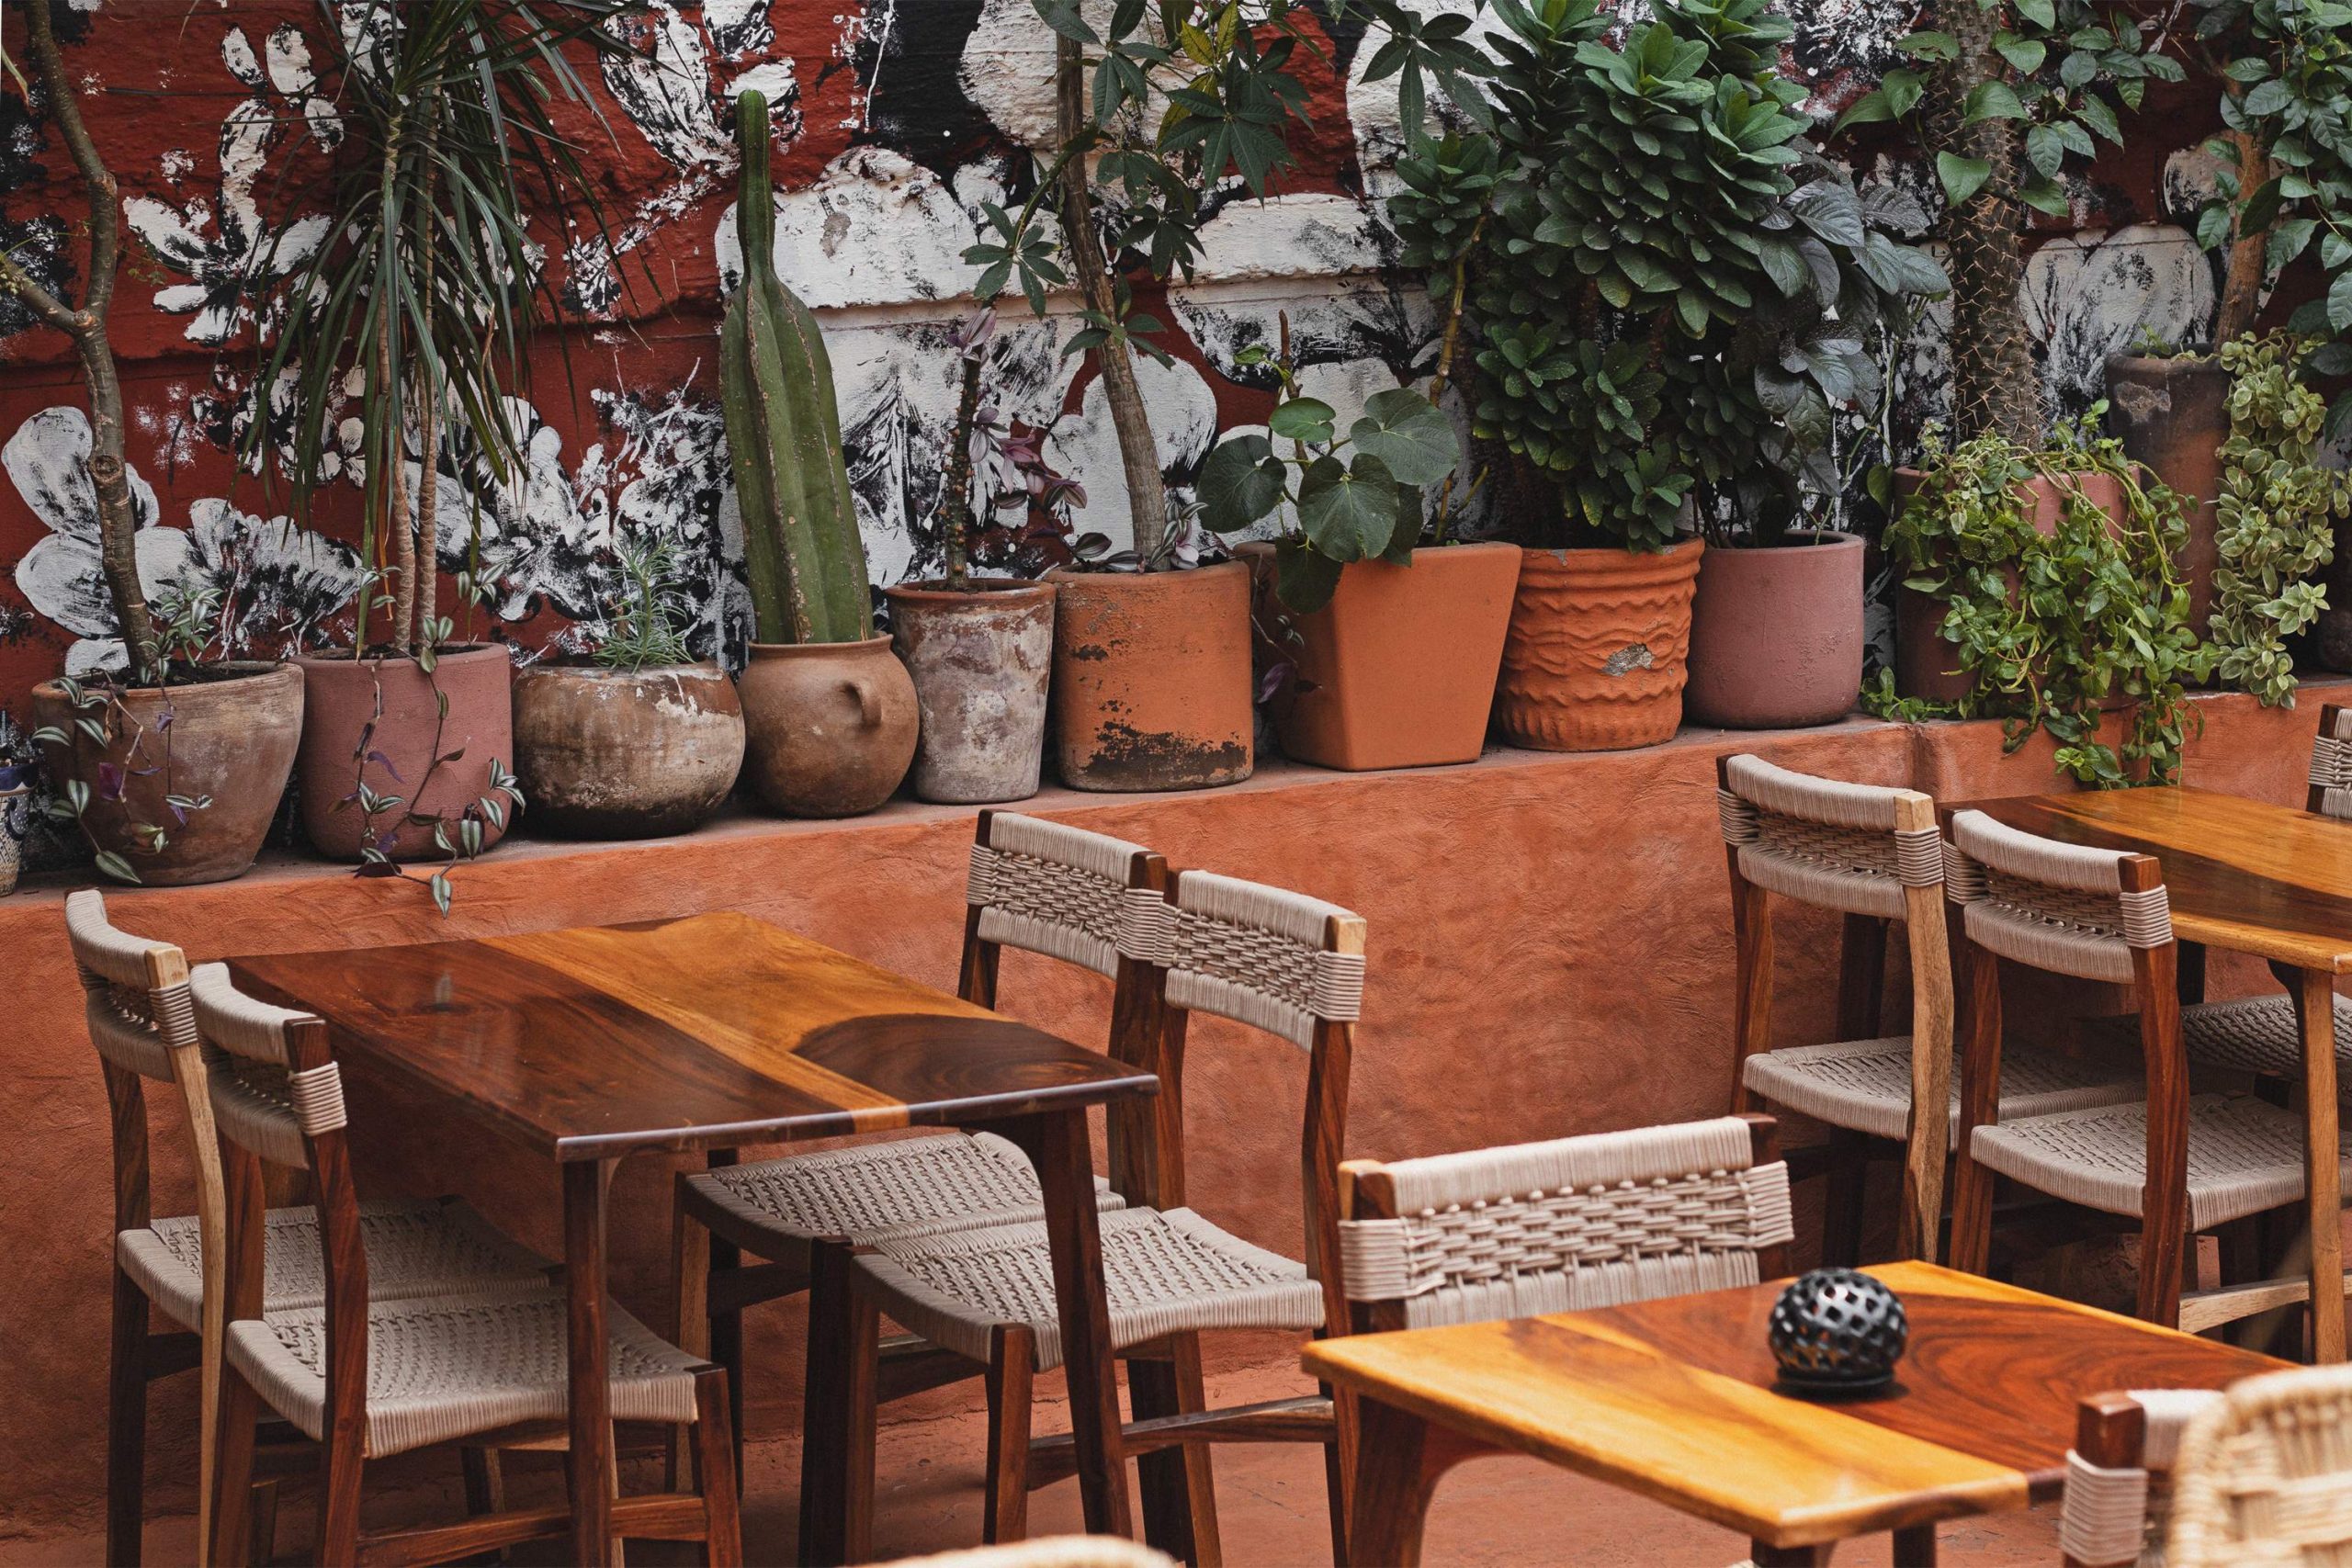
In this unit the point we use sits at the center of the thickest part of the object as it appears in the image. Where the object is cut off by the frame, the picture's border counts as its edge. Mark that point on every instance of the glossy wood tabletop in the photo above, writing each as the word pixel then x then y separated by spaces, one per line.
pixel 703 1032
pixel 2244 875
pixel 1674 1399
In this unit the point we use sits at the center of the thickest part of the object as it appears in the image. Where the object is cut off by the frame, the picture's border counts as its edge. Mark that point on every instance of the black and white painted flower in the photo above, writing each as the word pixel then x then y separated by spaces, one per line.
pixel 279 586
pixel 48 460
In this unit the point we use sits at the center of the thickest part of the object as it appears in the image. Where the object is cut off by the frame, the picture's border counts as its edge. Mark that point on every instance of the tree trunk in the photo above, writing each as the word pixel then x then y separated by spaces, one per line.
pixel 2241 287
pixel 955 495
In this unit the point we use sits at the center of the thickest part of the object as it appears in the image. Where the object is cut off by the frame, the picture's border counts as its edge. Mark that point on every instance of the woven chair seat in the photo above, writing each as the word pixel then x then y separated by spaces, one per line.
pixel 2260 1035
pixel 2245 1156
pixel 1864 1086
pixel 414 1250
pixel 1164 1273
pixel 898 1189
pixel 441 1368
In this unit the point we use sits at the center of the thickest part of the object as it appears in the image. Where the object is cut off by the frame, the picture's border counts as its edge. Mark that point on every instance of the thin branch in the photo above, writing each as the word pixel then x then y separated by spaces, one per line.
pixel 96 176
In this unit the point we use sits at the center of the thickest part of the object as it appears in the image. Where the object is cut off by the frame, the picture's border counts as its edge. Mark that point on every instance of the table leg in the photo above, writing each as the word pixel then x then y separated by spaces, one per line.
pixel 2314 992
pixel 589 1465
pixel 1399 1458
pixel 1768 1556
pixel 1915 1547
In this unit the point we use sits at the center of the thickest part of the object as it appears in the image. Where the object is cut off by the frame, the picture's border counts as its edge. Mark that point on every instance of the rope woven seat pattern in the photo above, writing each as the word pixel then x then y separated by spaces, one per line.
pixel 1062 892
pixel 2055 905
pixel 2264 1475
pixel 1824 840
pixel 900 1189
pixel 2244 1156
pixel 1164 1273
pixel 1256 954
pixel 414 1250
pixel 1865 1084
pixel 446 1366
pixel 2259 1034
pixel 2104 1518
pixel 2331 771
pixel 1053 1552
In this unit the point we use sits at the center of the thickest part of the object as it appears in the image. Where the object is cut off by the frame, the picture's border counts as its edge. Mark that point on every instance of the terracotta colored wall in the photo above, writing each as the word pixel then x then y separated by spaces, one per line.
pixel 1550 955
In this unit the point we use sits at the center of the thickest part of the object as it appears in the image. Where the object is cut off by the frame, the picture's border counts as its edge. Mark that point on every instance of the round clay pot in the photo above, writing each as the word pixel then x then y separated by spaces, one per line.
pixel 626 753
pixel 829 727
pixel 378 720
pixel 1776 634
pixel 1151 678
pixel 982 660
pixel 231 735
pixel 1595 658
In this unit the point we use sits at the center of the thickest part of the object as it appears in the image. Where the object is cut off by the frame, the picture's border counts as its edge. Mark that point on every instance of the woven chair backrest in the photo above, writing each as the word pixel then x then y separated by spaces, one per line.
pixel 2104 1521
pixel 1570 1224
pixel 1061 891
pixel 2332 762
pixel 134 1023
pixel 2264 1476
pixel 259 1101
pixel 1259 955
pixel 1051 1552
pixel 1825 842
pixel 2055 905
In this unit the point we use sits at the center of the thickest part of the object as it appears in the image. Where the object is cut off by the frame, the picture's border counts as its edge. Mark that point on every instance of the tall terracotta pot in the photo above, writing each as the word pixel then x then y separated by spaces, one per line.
pixel 2173 417
pixel 1595 661
pixel 829 727
pixel 626 753
pixel 1151 678
pixel 380 721
pixel 982 662
pixel 1776 634
pixel 228 733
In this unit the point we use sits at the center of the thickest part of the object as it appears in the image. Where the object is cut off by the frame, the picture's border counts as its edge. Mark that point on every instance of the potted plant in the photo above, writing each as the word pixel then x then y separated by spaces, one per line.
pixel 829 713
pixel 173 767
pixel 640 738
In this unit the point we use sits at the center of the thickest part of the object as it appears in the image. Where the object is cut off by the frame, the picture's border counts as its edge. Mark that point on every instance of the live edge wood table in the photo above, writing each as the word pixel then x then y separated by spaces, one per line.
pixel 707 1034
pixel 2244 877
pixel 1674 1399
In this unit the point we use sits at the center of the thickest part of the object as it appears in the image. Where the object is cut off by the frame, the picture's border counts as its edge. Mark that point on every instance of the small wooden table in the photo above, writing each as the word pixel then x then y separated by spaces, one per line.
pixel 2244 877
pixel 706 1034
pixel 1673 1399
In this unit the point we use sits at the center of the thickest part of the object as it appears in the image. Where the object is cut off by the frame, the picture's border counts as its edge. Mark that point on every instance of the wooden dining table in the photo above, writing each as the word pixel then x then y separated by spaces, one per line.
pixel 706 1034
pixel 2244 876
pixel 1675 1399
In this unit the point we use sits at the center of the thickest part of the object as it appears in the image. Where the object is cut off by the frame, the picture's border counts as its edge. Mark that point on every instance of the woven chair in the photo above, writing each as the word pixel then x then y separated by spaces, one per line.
pixel 2178 1163
pixel 1870 853
pixel 1289 965
pixel 143 1025
pixel 1049 1551
pixel 367 1377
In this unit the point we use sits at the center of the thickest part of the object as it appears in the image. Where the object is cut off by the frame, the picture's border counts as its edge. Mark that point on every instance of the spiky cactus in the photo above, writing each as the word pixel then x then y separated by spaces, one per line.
pixel 800 539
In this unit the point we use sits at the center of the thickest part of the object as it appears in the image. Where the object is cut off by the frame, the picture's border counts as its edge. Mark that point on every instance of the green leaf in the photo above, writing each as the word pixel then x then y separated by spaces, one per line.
pixel 2339 304
pixel 1402 429
pixel 1303 419
pixel 1347 511
pixel 1241 481
pixel 2026 55
pixel 1994 100
pixel 114 865
pixel 1304 579
pixel 2266 99
pixel 2045 196
pixel 1962 178
pixel 2042 13
pixel 1785 265
pixel 2044 151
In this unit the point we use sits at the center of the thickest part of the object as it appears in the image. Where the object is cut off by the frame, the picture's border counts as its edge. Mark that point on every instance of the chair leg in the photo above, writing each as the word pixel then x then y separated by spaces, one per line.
pixel 690 1301
pixel 1845 1186
pixel 1178 1486
pixel 262 1537
pixel 725 1341
pixel 1011 1364
pixel 340 1463
pixel 715 1471
pixel 1340 1471
pixel 837 1412
pixel 485 1481
pixel 1971 1216
pixel 233 1534
pixel 127 1423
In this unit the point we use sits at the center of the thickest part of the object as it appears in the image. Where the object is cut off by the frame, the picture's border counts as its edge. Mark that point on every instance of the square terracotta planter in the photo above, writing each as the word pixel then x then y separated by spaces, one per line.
pixel 1398 669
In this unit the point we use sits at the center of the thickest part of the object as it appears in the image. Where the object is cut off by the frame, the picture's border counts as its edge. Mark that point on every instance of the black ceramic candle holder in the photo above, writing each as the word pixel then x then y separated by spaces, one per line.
pixel 1836 1332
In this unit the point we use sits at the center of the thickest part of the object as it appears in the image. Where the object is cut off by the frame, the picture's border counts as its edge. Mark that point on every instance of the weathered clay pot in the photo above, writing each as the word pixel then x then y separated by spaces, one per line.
pixel 1151 678
pixel 379 720
pixel 1595 658
pixel 1398 669
pixel 1776 634
pixel 2173 417
pixel 232 736
pixel 982 662
pixel 1925 664
pixel 829 727
pixel 626 753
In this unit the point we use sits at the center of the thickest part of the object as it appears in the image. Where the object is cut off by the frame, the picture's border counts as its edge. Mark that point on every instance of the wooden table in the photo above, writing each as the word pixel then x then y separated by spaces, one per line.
pixel 2244 877
pixel 1673 1399
pixel 705 1033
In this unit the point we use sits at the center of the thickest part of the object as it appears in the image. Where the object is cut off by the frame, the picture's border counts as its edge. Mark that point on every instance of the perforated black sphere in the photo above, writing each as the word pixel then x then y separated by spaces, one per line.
pixel 1834 1328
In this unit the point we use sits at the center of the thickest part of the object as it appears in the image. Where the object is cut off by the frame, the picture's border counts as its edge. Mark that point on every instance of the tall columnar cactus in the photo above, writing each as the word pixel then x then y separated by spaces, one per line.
pixel 800 539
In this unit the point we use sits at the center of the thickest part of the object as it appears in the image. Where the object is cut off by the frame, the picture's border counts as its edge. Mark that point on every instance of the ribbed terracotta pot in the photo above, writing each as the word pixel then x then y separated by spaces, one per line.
pixel 1595 661
pixel 381 720
pixel 1151 678
pixel 232 736
pixel 1398 669
pixel 1776 634
pixel 982 659
pixel 626 753
pixel 2173 417
pixel 829 727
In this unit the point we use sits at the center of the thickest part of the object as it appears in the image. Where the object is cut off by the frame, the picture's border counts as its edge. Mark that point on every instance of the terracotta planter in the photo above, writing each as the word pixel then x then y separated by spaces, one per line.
pixel 1151 678
pixel 1595 658
pixel 982 662
pixel 829 727
pixel 387 710
pixel 626 753
pixel 1398 669
pixel 2173 416
pixel 232 736
pixel 1923 662
pixel 1776 634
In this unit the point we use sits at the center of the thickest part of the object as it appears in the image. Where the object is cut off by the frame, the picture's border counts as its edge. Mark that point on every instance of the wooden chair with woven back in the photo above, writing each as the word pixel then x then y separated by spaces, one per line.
pixel 1870 853
pixel 2178 1163
pixel 1283 964
pixel 367 1377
